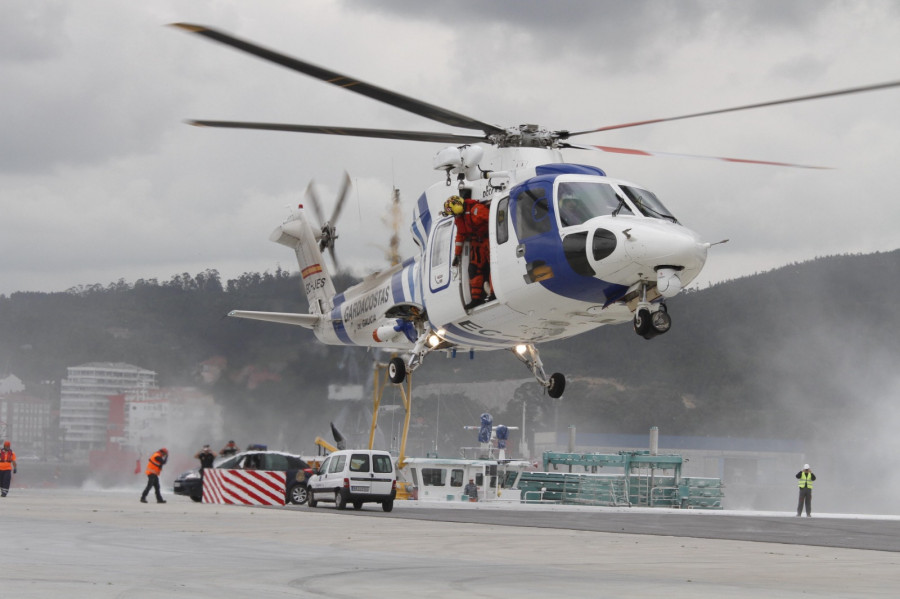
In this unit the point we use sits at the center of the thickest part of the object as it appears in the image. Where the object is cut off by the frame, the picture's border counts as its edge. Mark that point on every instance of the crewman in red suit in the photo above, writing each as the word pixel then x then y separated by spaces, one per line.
pixel 471 218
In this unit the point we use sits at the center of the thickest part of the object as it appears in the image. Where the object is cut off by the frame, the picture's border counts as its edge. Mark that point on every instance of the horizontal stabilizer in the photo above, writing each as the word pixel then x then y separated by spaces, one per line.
pixel 302 320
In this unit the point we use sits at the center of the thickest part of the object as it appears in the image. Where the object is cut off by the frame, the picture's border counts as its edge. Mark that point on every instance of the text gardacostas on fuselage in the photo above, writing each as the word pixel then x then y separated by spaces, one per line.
pixel 366 304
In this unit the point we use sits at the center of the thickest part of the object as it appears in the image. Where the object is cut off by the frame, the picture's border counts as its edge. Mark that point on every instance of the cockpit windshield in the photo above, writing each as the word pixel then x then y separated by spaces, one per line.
pixel 580 201
pixel 647 203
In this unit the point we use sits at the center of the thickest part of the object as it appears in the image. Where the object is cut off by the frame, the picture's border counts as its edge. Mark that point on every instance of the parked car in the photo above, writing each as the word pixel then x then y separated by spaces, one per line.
pixel 355 476
pixel 297 472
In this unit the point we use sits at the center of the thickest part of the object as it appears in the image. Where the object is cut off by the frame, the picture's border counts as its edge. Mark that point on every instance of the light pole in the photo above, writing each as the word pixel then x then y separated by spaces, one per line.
pixel 524 442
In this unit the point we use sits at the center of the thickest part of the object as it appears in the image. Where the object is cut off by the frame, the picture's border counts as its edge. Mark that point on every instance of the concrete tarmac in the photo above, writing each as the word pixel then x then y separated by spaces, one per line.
pixel 97 544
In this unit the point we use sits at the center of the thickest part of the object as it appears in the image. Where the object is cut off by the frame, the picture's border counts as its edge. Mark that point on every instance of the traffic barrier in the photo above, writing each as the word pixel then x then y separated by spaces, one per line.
pixel 243 487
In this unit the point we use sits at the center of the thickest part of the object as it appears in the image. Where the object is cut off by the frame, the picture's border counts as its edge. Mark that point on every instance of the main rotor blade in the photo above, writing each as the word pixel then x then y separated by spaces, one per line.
pixel 840 92
pixel 429 111
pixel 634 152
pixel 334 260
pixel 342 195
pixel 452 138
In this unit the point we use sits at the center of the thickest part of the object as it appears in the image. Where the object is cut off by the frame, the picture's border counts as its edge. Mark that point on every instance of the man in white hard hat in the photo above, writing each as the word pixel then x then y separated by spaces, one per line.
pixel 806 478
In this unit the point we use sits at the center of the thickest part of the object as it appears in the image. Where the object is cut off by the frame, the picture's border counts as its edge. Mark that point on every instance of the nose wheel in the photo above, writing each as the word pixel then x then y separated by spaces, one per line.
pixel 649 324
pixel 397 370
pixel 555 384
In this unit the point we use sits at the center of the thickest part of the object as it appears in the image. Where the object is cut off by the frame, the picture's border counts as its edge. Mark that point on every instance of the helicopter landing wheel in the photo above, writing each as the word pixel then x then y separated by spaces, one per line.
pixel 557 385
pixel 397 370
pixel 661 321
pixel 650 334
pixel 642 322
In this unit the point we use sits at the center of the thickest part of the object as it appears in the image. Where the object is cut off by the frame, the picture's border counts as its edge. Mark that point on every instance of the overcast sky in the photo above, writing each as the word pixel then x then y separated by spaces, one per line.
pixel 101 180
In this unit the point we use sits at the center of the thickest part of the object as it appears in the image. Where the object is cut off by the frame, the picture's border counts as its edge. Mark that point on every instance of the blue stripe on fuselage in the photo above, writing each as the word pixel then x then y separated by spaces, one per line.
pixel 565 281
pixel 337 321
pixel 424 217
pixel 397 287
pixel 410 266
pixel 417 234
pixel 462 336
pixel 565 168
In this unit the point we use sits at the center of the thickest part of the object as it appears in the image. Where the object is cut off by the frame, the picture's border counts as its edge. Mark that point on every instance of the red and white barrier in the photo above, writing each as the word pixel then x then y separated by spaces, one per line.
pixel 243 487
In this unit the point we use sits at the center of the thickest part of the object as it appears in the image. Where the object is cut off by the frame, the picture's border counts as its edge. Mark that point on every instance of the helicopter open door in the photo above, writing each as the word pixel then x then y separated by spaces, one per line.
pixel 446 293
pixel 441 256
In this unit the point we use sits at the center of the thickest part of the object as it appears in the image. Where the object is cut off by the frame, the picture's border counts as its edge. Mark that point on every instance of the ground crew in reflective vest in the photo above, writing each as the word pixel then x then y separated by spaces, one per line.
pixel 154 467
pixel 806 478
pixel 7 468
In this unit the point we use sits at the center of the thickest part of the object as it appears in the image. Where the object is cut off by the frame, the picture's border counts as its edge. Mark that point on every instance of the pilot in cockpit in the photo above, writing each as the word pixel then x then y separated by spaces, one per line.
pixel 571 212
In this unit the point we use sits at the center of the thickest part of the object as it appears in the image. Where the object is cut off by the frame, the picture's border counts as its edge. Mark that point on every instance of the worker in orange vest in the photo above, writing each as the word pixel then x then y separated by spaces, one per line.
pixel 154 467
pixel 7 467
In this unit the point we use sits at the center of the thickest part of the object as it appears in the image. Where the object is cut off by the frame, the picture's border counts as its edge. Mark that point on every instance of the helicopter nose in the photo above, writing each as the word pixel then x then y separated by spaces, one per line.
pixel 669 246
pixel 624 252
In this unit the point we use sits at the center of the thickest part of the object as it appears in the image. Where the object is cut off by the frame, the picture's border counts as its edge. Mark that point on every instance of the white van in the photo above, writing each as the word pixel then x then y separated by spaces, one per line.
pixel 355 476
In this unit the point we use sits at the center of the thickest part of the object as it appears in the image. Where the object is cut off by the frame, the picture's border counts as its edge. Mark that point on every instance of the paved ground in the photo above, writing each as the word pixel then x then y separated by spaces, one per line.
pixel 825 530
pixel 106 544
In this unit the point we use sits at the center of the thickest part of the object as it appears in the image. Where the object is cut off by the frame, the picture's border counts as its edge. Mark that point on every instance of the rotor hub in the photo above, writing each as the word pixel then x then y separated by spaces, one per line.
pixel 525 136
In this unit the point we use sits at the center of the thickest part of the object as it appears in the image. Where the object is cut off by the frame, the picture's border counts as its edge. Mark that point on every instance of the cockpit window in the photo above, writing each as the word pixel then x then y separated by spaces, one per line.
pixel 647 203
pixel 532 212
pixel 580 201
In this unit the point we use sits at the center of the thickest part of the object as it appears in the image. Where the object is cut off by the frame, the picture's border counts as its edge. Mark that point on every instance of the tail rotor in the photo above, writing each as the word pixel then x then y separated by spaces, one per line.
pixel 328 230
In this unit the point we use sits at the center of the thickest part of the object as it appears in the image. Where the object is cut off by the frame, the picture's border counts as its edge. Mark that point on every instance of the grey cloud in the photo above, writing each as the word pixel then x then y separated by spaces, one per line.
pixel 612 34
pixel 31 32
pixel 78 98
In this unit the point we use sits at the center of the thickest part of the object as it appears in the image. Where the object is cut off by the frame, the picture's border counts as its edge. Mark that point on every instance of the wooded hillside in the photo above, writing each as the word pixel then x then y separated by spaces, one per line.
pixel 805 348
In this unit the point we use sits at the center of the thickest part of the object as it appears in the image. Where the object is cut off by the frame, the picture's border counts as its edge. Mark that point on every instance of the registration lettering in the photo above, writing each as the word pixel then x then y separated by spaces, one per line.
pixel 474 327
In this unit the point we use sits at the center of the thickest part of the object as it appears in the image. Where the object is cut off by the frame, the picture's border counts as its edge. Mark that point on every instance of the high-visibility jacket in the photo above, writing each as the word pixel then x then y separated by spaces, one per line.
pixel 7 458
pixel 806 480
pixel 472 226
pixel 154 466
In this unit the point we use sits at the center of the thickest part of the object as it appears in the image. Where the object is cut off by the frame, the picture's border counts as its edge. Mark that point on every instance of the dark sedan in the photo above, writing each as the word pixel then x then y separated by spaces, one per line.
pixel 297 473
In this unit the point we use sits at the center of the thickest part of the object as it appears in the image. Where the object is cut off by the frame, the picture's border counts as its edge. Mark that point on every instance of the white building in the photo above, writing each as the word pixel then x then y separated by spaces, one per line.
pixel 84 403
pixel 177 417
pixel 25 421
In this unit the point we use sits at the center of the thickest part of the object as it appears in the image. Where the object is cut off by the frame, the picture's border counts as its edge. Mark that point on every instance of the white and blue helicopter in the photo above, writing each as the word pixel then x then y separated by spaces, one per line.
pixel 571 249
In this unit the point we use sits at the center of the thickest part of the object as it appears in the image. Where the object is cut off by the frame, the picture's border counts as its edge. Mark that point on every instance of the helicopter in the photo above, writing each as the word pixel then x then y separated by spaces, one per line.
pixel 571 249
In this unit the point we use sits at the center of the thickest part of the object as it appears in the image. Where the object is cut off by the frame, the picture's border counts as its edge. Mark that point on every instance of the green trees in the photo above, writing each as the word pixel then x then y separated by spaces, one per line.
pixel 743 356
